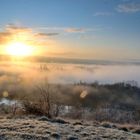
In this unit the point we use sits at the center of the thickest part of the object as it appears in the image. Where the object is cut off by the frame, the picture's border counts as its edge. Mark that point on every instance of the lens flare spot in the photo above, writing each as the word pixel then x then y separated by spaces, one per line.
pixel 5 94
pixel 83 94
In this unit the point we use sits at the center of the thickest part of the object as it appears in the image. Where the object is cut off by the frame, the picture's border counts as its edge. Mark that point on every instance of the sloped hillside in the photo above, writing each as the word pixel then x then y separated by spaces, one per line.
pixel 40 128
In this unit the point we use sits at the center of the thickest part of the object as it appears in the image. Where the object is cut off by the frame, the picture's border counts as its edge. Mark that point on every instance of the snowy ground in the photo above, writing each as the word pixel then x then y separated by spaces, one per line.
pixel 36 128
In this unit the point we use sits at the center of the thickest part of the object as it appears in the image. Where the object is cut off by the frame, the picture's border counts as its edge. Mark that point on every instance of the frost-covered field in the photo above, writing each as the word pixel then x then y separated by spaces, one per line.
pixel 39 128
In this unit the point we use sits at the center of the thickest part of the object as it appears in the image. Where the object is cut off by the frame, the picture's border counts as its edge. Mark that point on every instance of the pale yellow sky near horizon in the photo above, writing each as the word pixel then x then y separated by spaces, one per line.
pixel 46 44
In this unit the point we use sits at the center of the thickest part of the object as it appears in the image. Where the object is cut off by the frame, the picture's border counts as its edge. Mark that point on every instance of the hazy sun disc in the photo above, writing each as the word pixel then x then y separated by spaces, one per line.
pixel 19 49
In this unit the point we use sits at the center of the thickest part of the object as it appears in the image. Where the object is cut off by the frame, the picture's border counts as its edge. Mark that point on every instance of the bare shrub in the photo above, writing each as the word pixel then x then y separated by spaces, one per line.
pixel 45 99
pixel 42 103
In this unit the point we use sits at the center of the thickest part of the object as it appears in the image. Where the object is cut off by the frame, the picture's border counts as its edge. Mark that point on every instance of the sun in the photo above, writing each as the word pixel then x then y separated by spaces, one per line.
pixel 19 49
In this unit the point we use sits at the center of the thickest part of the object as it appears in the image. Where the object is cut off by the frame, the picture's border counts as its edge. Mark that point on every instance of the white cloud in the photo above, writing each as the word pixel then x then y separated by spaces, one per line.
pixel 129 8
pixel 58 30
pixel 75 30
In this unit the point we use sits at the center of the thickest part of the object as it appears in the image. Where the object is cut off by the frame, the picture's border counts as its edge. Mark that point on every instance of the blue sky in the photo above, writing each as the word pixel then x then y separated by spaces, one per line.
pixel 102 29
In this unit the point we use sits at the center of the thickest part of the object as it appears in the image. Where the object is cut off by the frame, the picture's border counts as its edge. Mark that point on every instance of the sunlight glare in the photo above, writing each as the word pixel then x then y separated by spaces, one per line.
pixel 19 49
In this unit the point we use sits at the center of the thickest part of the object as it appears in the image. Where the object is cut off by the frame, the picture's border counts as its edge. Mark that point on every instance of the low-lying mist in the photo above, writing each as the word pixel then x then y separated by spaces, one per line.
pixel 22 77
pixel 77 85
pixel 29 73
